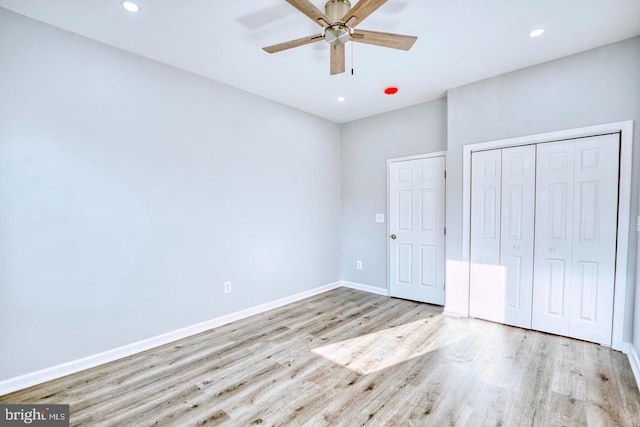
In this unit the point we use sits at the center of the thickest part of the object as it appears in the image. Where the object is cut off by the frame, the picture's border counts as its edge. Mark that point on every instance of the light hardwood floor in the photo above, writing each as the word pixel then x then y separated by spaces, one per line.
pixel 349 358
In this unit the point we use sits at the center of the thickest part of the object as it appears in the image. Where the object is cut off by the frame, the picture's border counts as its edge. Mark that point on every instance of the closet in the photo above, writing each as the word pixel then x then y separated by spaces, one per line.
pixel 543 236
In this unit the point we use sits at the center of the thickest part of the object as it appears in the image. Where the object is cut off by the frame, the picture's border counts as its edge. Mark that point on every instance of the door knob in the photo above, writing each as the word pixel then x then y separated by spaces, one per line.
pixel 393 236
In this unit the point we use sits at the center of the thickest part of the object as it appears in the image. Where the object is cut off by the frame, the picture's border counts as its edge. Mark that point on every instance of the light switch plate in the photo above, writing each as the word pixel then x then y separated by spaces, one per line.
pixel 379 217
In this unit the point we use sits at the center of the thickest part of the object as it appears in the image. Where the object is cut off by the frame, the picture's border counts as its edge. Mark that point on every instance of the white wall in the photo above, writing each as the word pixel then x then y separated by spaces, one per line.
pixel 130 190
pixel 366 146
pixel 590 88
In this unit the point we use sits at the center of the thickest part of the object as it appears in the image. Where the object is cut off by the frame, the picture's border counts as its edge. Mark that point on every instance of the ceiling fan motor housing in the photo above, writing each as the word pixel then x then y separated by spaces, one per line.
pixel 336 9
pixel 337 33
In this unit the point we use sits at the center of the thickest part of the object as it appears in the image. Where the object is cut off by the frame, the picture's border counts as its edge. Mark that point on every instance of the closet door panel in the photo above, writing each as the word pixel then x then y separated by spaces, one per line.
pixel 594 238
pixel 486 290
pixel 516 237
pixel 553 237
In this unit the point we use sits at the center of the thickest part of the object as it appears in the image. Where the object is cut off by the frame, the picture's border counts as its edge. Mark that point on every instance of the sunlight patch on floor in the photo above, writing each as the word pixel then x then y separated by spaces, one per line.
pixel 379 350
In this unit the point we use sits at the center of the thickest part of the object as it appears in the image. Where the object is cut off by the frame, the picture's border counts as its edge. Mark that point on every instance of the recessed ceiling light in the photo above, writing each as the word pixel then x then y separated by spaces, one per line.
pixel 536 33
pixel 130 6
pixel 341 99
pixel 391 90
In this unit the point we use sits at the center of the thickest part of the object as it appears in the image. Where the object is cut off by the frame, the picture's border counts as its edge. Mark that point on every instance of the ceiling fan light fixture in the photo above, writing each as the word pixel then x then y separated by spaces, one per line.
pixel 537 32
pixel 337 34
pixel 130 6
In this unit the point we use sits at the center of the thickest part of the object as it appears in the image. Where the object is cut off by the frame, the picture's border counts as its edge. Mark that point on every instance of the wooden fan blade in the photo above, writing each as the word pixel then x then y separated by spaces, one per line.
pixel 311 11
pixel 292 43
pixel 337 59
pixel 394 41
pixel 361 11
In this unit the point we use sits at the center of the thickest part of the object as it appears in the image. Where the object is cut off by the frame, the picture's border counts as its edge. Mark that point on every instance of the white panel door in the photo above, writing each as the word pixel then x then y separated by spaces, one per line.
pixel 516 236
pixel 553 237
pixel 502 203
pixel 576 227
pixel 416 225
pixel 487 286
pixel 594 238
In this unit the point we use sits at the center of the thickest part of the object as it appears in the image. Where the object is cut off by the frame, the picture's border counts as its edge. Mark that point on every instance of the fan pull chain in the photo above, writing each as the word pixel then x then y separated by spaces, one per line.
pixel 352 58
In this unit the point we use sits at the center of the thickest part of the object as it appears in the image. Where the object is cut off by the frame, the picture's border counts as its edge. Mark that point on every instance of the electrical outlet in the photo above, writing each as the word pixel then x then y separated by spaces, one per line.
pixel 227 287
pixel 359 264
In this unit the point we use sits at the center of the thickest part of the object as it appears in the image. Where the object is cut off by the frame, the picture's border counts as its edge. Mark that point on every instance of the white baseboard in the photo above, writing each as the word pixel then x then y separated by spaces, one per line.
pixel 366 288
pixel 453 313
pixel 18 383
pixel 634 361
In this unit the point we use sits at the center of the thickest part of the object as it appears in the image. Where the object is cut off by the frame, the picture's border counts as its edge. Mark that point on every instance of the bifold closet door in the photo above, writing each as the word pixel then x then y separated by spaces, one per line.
pixel 575 237
pixel 503 186
pixel 517 232
pixel 486 292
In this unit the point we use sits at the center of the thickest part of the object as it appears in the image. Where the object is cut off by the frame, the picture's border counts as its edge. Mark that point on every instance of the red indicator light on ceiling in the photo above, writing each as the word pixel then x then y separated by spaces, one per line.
pixel 391 90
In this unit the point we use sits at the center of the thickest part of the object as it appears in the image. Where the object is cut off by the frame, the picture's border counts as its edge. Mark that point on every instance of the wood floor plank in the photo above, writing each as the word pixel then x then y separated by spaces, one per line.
pixel 351 358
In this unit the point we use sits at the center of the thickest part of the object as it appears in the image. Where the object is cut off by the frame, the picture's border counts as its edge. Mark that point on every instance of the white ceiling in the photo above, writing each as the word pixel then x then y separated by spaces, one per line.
pixel 459 42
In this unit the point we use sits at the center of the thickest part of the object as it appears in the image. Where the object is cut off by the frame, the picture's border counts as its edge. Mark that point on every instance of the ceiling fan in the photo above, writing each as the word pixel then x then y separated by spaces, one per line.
pixel 339 22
